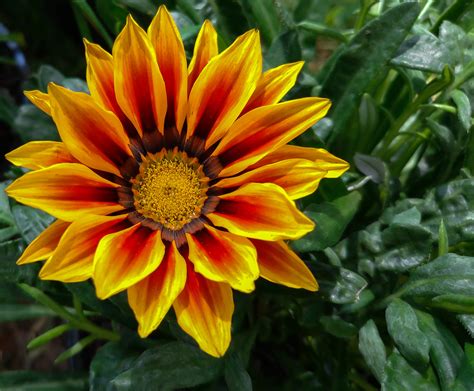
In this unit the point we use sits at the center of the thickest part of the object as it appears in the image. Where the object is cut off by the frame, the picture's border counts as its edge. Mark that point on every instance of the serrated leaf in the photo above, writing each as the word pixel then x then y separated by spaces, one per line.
pixel 402 325
pixel 372 349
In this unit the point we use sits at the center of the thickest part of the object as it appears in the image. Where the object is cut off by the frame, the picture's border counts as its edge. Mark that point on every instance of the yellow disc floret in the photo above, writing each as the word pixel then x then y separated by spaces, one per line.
pixel 170 189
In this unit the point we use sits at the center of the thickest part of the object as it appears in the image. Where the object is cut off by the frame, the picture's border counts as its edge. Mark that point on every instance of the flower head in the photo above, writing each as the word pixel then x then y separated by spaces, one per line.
pixel 174 182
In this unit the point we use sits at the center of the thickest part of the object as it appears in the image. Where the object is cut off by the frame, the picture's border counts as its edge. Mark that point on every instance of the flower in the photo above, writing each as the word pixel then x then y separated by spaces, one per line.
pixel 175 183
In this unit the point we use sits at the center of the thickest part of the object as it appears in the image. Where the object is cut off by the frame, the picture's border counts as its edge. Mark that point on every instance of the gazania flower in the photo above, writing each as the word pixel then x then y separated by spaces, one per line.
pixel 174 182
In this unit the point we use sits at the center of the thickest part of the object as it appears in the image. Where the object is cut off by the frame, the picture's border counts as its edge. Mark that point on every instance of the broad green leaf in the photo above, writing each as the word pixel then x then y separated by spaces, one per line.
pixel 465 376
pixel 31 222
pixel 464 108
pixel 445 352
pixel 236 377
pixel 110 360
pixel 284 49
pixel 347 288
pixel 402 325
pixel 362 60
pixel 10 251
pixel 32 124
pixel 41 381
pixel 331 220
pixel 372 349
pixel 338 327
pixel 372 167
pixel 450 274
pixel 400 376
pixel 14 312
pixel 423 52
pixel 171 366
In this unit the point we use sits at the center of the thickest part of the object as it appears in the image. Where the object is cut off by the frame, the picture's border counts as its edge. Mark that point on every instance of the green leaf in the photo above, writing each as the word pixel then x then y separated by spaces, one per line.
pixel 331 220
pixel 236 377
pixel 31 124
pixel 338 327
pixel 362 60
pixel 425 53
pixel 372 167
pixel 31 222
pixel 10 251
pixel 348 287
pixel 400 376
pixel 284 49
pixel 445 352
pixel 464 108
pixel 450 274
pixel 173 365
pixel 264 15
pixel 111 360
pixel 467 321
pixel 14 312
pixel 443 241
pixel 40 381
pixel 465 376
pixel 78 347
pixel 372 349
pixel 402 325
pixel 46 337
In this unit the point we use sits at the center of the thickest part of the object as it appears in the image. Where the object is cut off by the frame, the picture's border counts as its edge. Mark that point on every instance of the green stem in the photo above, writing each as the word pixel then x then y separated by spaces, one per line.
pixel 320 29
pixel 364 10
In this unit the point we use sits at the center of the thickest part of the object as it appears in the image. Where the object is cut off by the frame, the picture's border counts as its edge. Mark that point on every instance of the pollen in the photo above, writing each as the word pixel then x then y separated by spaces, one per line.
pixel 170 189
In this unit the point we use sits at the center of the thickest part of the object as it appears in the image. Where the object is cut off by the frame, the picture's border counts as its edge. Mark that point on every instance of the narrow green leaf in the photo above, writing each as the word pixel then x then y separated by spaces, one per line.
pixel 372 349
pixel 443 241
pixel 78 347
pixel 463 304
pixel 15 312
pixel 46 337
pixel 41 381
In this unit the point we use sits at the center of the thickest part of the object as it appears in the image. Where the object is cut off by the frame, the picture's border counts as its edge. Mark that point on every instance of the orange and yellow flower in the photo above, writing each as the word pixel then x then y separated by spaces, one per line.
pixel 174 182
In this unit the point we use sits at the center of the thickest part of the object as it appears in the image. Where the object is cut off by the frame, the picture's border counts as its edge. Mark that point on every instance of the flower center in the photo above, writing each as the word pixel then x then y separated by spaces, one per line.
pixel 170 188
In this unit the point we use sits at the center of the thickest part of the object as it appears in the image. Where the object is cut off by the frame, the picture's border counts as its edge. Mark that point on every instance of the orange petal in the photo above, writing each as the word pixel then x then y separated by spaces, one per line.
pixel 66 191
pixel 224 257
pixel 73 259
pixel 298 177
pixel 126 257
pixel 152 297
pixel 261 211
pixel 171 57
pixel 93 135
pixel 265 129
pixel 205 49
pixel 324 160
pixel 273 85
pixel 279 264
pixel 224 87
pixel 204 311
pixel 139 85
pixel 44 245
pixel 40 100
pixel 40 154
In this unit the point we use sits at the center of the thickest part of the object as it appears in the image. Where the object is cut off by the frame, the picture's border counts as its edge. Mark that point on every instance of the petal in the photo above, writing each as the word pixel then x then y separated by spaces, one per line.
pixel 261 211
pixel 139 85
pixel 324 160
pixel 224 257
pixel 40 100
pixel 44 245
pixel 40 154
pixel 126 257
pixel 171 57
pixel 73 259
pixel 298 177
pixel 66 191
pixel 205 49
pixel 279 264
pixel 93 135
pixel 265 129
pixel 224 87
pixel 273 85
pixel 152 297
pixel 204 311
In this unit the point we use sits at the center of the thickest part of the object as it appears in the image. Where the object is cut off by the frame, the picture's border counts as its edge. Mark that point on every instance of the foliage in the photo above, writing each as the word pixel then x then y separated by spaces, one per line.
pixel 394 246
